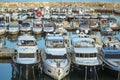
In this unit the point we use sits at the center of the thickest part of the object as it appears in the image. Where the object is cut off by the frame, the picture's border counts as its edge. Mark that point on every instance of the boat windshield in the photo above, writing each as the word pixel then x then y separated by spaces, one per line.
pixel 84 44
pixel 26 43
pixel 85 55
pixel 25 25
pixel 55 44
pixel 49 56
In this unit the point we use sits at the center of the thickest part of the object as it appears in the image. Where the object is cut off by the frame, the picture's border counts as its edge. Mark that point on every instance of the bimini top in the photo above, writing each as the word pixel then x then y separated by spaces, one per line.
pixel 26 37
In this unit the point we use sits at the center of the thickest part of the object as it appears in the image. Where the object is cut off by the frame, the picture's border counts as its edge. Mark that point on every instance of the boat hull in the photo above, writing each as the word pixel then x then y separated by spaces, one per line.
pixel 55 73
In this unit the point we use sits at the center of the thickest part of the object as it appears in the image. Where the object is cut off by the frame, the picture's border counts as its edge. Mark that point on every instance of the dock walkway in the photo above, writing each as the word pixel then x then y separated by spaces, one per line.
pixel 8 52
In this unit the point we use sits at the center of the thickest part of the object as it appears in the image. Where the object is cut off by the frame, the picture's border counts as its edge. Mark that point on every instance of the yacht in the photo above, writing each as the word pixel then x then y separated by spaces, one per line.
pixel 84 54
pixel 13 29
pixel 56 60
pixel 37 26
pixel 84 25
pixel 27 57
pixel 22 16
pixel 48 27
pixel 104 27
pixel 2 27
pixel 111 53
pixel 94 25
pixel 25 27
pixel 113 23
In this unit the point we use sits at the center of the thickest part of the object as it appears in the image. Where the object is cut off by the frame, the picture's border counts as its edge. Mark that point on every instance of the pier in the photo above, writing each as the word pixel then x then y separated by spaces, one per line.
pixel 7 53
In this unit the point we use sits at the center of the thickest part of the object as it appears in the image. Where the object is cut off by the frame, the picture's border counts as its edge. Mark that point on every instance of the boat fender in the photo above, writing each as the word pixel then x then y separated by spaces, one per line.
pixel 37 51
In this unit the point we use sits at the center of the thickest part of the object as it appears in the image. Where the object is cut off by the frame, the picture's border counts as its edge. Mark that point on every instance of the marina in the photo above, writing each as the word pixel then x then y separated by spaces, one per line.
pixel 60 43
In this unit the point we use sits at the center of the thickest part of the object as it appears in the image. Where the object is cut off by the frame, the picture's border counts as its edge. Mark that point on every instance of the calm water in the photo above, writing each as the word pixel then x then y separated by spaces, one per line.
pixel 59 0
pixel 6 67
pixel 6 74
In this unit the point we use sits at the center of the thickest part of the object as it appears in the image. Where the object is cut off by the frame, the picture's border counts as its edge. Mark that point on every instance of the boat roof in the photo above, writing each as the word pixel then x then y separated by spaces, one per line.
pixel 86 50
pixel 26 37
pixel 60 38
pixel 111 51
pixel 82 39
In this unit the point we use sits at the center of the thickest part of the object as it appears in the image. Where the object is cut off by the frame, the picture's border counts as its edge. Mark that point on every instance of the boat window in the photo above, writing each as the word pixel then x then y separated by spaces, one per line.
pixel 85 55
pixel 24 55
pixel 81 44
pixel 26 43
pixel 55 44
pixel 50 56
pixel 25 25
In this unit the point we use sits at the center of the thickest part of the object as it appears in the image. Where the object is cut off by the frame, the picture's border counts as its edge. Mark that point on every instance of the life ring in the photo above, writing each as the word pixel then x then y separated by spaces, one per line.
pixel 39 14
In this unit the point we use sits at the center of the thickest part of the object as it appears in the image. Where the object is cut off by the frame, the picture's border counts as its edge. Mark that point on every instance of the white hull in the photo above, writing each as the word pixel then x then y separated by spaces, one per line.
pixel 56 73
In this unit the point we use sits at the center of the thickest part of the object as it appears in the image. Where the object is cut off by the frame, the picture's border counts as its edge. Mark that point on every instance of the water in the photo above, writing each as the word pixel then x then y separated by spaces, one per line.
pixel 6 74
pixel 60 1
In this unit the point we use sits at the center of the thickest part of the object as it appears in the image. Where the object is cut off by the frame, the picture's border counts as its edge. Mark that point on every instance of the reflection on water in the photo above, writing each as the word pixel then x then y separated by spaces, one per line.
pixel 7 73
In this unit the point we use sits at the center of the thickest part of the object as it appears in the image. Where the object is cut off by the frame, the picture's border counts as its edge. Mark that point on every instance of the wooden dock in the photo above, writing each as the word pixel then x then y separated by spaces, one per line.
pixel 7 53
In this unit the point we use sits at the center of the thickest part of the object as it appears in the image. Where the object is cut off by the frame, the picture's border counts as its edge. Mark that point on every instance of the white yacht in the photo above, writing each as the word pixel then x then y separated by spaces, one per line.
pixel 13 29
pixel 84 53
pixel 56 61
pixel 27 58
pixel 25 27
pixel 84 25
pixel 113 23
pixel 37 26
pixel 2 28
pixel 48 27
pixel 22 16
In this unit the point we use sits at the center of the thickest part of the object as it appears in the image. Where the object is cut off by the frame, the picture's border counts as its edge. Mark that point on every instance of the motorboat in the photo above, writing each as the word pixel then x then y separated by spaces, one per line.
pixel 48 27
pixel 56 60
pixel 104 27
pixel 84 54
pixel 22 16
pixel 14 16
pixel 13 29
pixel 84 25
pixel 25 27
pixel 27 58
pixel 94 24
pixel 37 26
pixel 2 27
pixel 111 53
pixel 113 23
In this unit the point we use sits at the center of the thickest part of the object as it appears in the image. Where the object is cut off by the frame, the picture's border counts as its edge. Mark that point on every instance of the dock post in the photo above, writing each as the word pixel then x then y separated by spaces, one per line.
pixel 33 72
pixel 86 73
pixel 26 72
pixel 118 76
pixel 20 72
pixel 96 75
